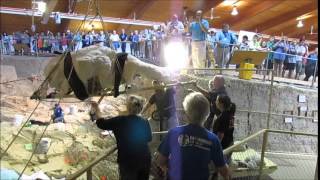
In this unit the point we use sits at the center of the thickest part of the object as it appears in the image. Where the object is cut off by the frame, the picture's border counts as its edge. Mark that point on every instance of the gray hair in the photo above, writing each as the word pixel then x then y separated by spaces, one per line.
pixel 197 107
pixel 217 78
pixel 135 104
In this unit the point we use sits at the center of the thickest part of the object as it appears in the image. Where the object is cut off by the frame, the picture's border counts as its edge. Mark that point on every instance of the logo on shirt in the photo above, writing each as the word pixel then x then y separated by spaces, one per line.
pixel 192 141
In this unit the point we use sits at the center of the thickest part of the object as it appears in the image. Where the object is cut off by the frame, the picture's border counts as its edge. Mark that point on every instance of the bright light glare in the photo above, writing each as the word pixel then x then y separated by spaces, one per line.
pixel 234 11
pixel 229 2
pixel 42 6
pixel 300 24
pixel 176 55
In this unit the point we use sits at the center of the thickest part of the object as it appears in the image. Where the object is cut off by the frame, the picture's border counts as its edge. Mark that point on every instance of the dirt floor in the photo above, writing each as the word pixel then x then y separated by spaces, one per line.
pixel 73 144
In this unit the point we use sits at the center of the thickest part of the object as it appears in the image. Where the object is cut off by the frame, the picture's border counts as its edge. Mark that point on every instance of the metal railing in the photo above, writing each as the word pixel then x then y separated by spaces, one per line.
pixel 88 168
pixel 264 132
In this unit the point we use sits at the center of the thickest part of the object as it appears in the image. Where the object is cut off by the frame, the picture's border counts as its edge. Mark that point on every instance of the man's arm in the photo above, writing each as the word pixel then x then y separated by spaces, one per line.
pixel 204 27
pixel 203 91
pixel 224 172
pixel 102 123
pixel 148 105
pixel 162 161
pixel 220 135
pixel 145 108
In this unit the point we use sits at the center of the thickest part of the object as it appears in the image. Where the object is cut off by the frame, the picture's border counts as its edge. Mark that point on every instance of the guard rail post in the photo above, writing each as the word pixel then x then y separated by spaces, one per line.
pixel 270 99
pixel 263 150
pixel 89 173
pixel 316 173
pixel 314 74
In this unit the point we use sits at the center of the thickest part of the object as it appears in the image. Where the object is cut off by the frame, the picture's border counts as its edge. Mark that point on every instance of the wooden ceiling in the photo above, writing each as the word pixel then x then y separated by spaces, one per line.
pixel 272 17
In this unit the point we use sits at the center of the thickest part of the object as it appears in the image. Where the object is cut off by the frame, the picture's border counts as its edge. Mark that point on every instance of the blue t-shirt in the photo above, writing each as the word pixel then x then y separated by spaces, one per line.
pixel 226 38
pixel 57 112
pixel 313 57
pixel 190 149
pixel 280 47
pixel 196 33
pixel 135 38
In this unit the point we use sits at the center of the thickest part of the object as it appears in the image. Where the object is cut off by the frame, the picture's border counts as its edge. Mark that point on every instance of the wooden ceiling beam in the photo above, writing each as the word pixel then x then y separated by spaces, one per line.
pixel 139 9
pixel 208 4
pixel 278 20
pixel 254 11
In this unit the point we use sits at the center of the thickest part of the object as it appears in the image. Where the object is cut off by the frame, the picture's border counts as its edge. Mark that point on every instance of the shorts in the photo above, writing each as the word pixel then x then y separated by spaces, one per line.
pixel 278 61
pixel 289 66
pixel 298 66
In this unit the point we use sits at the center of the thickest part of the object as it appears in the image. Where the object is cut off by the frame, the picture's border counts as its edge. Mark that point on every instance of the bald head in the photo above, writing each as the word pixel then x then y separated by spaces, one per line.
pixel 217 82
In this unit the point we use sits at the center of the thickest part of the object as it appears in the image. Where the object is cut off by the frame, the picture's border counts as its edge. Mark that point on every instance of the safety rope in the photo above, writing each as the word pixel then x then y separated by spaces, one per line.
pixel 62 57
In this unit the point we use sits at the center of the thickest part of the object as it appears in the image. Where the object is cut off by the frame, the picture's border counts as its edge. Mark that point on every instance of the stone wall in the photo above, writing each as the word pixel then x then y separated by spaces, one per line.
pixel 254 96
pixel 248 95
pixel 25 65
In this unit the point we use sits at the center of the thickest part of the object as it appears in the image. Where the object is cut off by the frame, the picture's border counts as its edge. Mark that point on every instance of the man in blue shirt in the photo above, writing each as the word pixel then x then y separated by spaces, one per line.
pixel 57 114
pixel 198 30
pixel 187 150
pixel 123 38
pixel 225 41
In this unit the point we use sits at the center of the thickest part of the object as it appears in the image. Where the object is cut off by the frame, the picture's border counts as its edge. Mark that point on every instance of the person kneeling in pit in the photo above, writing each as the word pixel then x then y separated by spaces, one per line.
pixel 188 150
pixel 57 114
pixel 165 103
pixel 132 133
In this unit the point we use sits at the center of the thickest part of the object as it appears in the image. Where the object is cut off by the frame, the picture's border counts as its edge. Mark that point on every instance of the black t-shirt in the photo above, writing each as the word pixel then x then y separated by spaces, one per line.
pixel 165 102
pixel 225 124
pixel 133 134
pixel 212 99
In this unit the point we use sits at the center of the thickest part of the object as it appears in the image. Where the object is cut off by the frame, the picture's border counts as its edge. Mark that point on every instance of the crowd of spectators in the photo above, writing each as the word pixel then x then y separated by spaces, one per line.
pixel 143 44
pixel 206 48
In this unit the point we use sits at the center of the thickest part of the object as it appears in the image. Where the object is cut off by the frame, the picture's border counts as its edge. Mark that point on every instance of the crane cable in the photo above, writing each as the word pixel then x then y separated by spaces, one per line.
pixel 60 60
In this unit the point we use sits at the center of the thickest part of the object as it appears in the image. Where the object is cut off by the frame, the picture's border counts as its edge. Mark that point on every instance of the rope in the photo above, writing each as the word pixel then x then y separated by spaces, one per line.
pixel 65 53
pixel 21 79
pixel 102 24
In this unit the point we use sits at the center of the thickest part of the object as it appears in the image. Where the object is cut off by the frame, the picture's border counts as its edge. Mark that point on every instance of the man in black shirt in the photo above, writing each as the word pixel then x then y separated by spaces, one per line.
pixel 132 133
pixel 123 37
pixel 216 87
pixel 164 100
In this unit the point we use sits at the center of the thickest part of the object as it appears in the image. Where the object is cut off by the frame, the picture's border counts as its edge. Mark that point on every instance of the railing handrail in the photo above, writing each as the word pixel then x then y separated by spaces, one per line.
pixel 91 164
pixel 229 149
pixel 291 132
pixel 245 140
pixel 226 151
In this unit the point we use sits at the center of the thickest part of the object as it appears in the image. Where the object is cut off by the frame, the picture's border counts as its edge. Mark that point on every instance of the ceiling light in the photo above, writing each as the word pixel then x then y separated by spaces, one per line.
pixel 42 6
pixel 300 24
pixel 229 2
pixel 234 11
